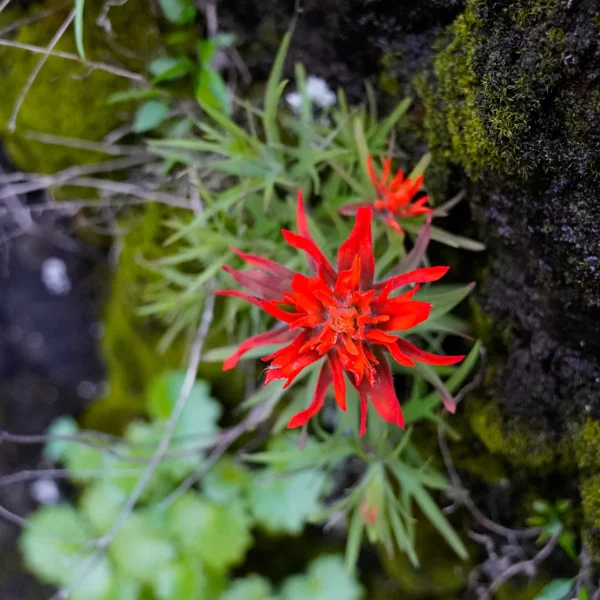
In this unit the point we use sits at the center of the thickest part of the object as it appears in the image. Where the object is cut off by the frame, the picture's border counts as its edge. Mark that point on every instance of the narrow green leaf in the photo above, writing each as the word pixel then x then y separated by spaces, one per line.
pixel 437 518
pixel 79 4
pixel 223 40
pixel 274 90
pixel 150 115
pixel 557 589
pixel 421 166
pixel 211 90
pixel 166 68
pixel 180 12
pixel 134 94
pixel 206 50
pixel 355 532
pixel 444 302
pixel 381 133
pixel 445 237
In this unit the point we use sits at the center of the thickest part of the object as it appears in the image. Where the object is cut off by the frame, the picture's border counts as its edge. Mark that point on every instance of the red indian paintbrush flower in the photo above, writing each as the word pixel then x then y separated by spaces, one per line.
pixel 394 199
pixel 339 315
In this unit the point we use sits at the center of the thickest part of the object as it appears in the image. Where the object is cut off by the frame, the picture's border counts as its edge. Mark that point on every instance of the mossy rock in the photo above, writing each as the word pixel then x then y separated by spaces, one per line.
pixel 67 98
pixel 441 573
pixel 499 75
pixel 518 442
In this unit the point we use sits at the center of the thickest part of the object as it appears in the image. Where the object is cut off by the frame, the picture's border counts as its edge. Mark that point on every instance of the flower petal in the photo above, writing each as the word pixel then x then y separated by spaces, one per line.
pixel 323 384
pixel 324 268
pixel 339 383
pixel 363 412
pixel 275 336
pixel 265 264
pixel 243 295
pixel 372 173
pixel 399 356
pixel 382 393
pixel 379 337
pixel 419 355
pixel 359 243
pixel 266 285
pixel 275 311
pixel 424 275
pixel 405 315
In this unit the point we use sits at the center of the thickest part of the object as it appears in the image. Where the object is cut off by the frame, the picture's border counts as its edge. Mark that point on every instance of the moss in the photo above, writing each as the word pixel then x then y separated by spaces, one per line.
pixel 129 343
pixel 440 574
pixel 519 444
pixel 590 500
pixel 501 65
pixel 66 98
pixel 586 443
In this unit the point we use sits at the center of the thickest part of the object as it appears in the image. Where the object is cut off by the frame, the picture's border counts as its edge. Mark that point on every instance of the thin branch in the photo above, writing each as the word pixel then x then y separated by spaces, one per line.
pixel 4 4
pixel 190 377
pixel 68 56
pixel 528 567
pixel 62 177
pixel 33 474
pixel 466 500
pixel 113 149
pixel 33 18
pixel 108 450
pixel 12 122
pixel 256 416
pixel 115 187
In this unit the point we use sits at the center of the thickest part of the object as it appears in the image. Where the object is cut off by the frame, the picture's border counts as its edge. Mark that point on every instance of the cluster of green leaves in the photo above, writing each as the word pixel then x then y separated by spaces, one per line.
pixel 556 518
pixel 185 70
pixel 176 547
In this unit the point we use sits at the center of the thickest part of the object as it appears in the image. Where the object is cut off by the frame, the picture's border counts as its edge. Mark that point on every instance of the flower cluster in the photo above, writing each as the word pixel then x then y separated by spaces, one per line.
pixel 394 199
pixel 340 315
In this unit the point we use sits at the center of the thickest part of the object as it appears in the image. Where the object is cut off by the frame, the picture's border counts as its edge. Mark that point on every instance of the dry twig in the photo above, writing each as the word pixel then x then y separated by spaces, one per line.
pixel 69 56
pixel 12 122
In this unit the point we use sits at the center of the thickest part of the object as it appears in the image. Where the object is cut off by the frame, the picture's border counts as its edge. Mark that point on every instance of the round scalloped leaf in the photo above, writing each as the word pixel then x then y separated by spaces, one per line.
pixel 180 581
pixel 218 535
pixel 51 550
pixel 141 547
pixel 326 579
pixel 227 480
pixel 252 587
pixel 284 502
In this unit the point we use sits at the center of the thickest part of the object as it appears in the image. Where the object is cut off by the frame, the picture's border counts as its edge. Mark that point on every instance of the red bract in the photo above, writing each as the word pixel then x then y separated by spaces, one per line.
pixel 394 198
pixel 338 314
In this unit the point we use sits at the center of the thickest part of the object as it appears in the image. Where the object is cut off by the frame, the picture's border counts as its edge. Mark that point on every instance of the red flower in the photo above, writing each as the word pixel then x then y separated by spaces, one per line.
pixel 394 199
pixel 337 314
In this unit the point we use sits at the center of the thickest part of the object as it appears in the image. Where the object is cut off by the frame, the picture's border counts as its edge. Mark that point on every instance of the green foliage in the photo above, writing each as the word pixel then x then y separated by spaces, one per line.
pixel 284 496
pixel 150 115
pixel 326 579
pixel 180 12
pixel 185 549
pixel 194 522
pixel 557 518
pixel 54 548
pixel 557 589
